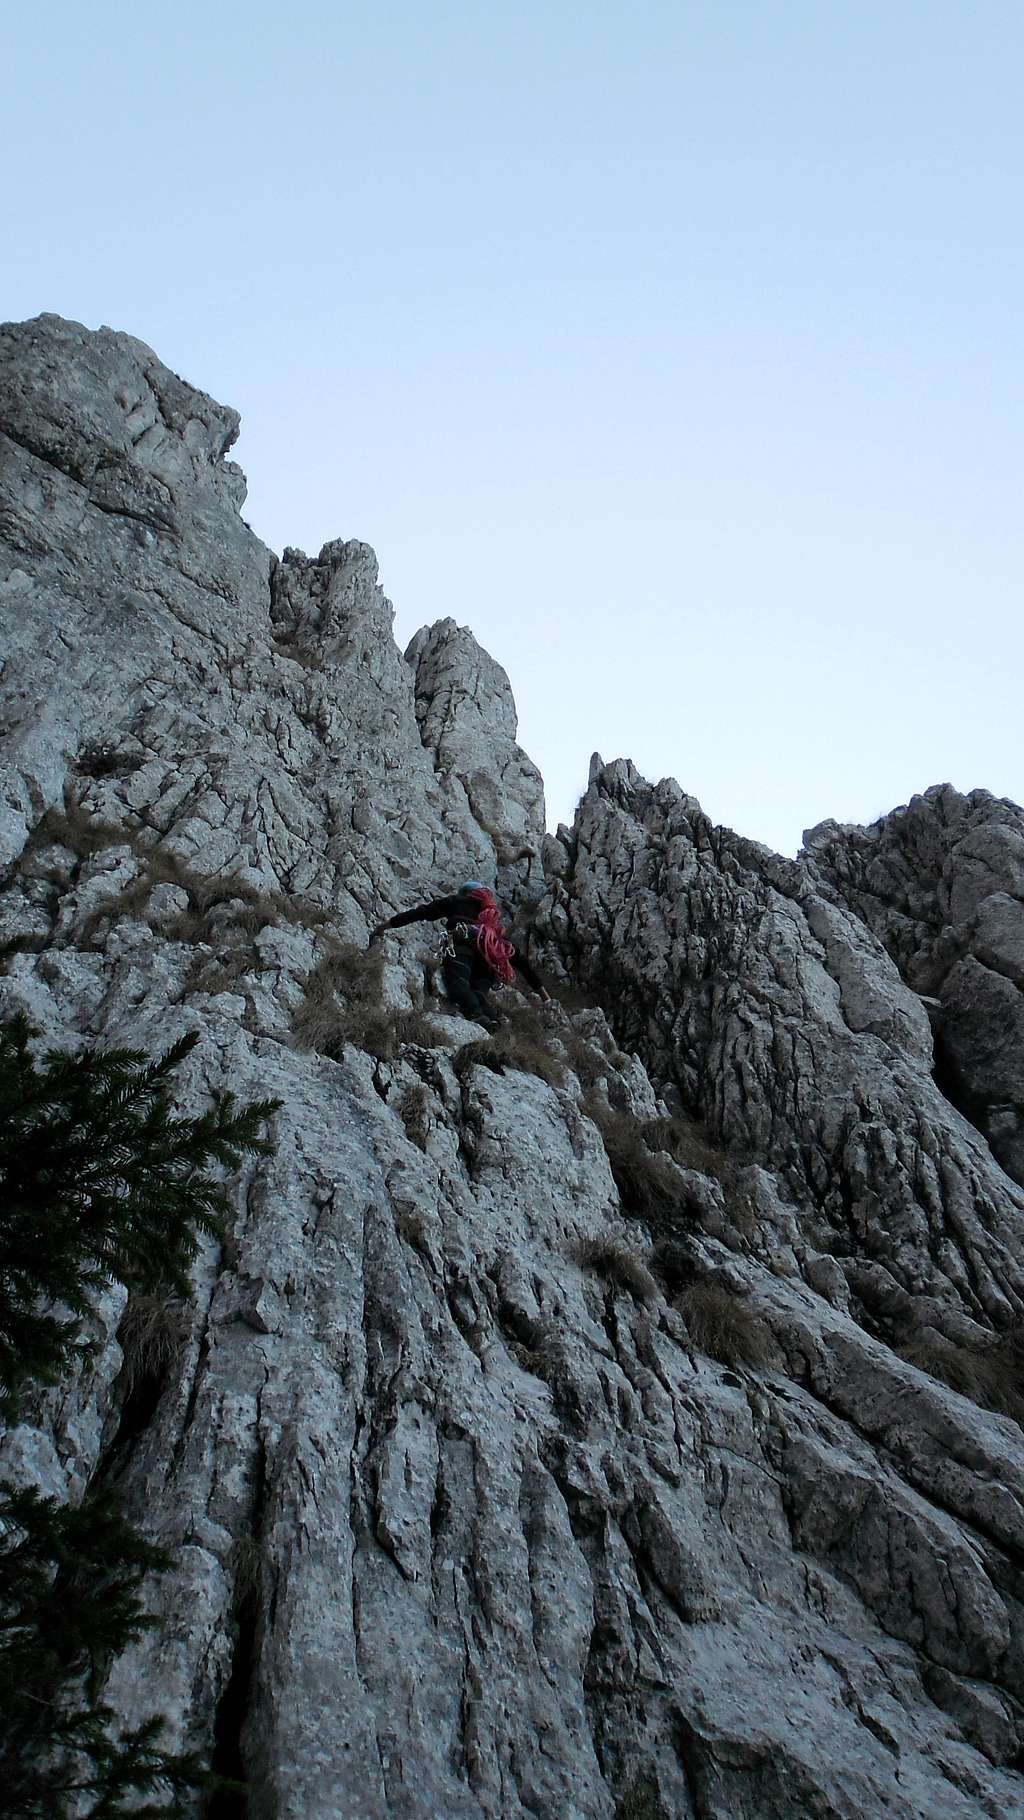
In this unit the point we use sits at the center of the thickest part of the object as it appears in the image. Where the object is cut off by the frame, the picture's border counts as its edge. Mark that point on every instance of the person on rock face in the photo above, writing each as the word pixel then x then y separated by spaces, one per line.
pixel 477 952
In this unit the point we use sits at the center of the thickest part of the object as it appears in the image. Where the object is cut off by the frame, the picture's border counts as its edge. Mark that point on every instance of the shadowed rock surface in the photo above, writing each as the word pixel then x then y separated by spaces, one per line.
pixel 941 884
pixel 617 1419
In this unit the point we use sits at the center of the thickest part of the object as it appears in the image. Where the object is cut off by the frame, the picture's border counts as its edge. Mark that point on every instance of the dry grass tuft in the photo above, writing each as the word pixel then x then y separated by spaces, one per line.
pixel 641 1153
pixel 641 1801
pixel 586 1059
pixel 614 1258
pixel 248 910
pixel 991 1376
pixel 230 1249
pixel 526 1018
pixel 721 1325
pixel 742 1210
pixel 386 1033
pixel 689 1145
pixel 189 927
pixel 647 1185
pixel 246 918
pixel 86 834
pixel 414 1108
pixel 123 906
pixel 222 975
pixel 344 972
pixel 252 909
pixel 513 1046
pixel 152 1333
pixel 300 911
pixel 356 977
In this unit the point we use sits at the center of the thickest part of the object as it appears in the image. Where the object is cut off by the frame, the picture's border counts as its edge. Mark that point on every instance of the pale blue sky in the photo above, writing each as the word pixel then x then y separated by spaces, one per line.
pixel 676 349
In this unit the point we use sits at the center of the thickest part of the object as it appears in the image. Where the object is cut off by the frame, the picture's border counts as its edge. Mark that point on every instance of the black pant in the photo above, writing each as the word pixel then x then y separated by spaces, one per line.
pixel 468 981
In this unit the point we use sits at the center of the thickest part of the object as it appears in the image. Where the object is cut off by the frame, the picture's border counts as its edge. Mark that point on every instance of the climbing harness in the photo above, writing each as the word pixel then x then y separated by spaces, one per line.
pixel 446 947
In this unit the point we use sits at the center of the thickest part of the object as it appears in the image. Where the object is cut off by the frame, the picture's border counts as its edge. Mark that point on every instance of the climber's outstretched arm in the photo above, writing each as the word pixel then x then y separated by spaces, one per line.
pixel 460 908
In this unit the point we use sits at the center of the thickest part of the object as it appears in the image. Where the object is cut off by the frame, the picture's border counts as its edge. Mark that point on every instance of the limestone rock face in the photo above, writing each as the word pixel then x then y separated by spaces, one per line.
pixel 785 1025
pixel 160 662
pixel 941 884
pixel 617 1419
pixel 463 698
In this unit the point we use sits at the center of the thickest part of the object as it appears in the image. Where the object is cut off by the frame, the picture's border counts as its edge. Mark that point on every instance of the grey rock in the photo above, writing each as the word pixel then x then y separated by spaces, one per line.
pixel 784 1025
pixel 462 698
pixel 454 1493
pixel 941 884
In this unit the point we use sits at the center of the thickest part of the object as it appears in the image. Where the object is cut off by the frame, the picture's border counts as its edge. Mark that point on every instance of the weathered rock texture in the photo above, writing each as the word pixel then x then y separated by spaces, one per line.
pixel 941 884
pixel 502 1484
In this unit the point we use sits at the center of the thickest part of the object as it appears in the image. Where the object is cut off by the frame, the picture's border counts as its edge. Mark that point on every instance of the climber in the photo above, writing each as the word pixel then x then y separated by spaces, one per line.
pixel 476 953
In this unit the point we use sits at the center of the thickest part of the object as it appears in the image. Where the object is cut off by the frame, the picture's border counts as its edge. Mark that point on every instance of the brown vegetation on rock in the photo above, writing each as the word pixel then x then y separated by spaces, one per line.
pixel 721 1325
pixel 344 1004
pixel 689 1145
pixel 992 1375
pixel 152 1332
pixel 522 1043
pixel 641 1801
pixel 648 1185
pixel 613 1257
pixel 248 908
pixel 414 1110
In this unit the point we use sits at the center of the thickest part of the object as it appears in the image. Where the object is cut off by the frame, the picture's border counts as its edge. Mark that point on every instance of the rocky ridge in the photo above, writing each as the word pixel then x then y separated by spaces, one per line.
pixel 620 1419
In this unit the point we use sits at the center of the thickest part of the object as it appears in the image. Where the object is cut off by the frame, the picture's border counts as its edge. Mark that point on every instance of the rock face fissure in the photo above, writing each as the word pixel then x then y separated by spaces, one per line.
pixel 227 1758
pixel 618 1416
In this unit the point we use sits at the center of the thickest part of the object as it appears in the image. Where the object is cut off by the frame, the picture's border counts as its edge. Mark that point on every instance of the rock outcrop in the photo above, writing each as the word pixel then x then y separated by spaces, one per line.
pixel 620 1418
pixel 941 884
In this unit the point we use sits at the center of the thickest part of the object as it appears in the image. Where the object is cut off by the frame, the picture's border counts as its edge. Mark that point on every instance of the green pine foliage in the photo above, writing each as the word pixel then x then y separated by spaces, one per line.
pixel 69 1603
pixel 98 1181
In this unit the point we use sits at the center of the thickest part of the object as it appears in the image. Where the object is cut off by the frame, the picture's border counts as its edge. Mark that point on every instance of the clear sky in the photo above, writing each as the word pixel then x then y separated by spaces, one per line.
pixel 674 348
